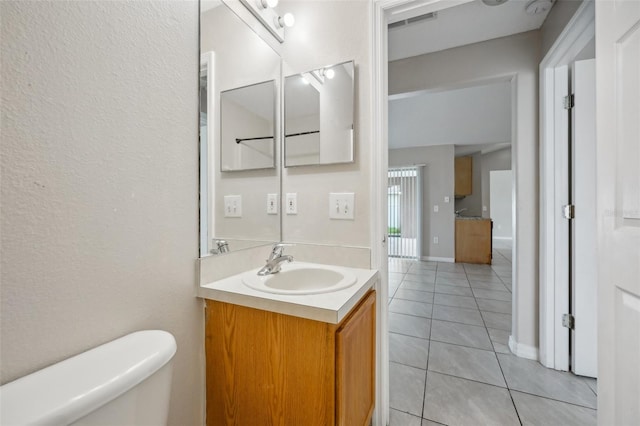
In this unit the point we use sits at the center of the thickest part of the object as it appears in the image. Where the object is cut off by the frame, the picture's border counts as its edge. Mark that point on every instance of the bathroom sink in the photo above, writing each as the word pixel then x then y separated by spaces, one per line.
pixel 301 278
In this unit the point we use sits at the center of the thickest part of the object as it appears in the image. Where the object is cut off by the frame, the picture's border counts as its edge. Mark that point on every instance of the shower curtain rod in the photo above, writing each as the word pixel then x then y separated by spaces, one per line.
pixel 271 137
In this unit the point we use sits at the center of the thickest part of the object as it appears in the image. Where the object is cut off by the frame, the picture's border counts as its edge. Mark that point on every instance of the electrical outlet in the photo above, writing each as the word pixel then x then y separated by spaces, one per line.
pixel 446 199
pixel 233 206
pixel 292 203
pixel 341 205
pixel 435 240
pixel 484 208
pixel 272 203
pixel 436 208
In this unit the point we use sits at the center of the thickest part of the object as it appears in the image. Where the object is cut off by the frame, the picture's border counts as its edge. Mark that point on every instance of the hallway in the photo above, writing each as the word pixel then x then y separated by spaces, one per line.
pixel 449 357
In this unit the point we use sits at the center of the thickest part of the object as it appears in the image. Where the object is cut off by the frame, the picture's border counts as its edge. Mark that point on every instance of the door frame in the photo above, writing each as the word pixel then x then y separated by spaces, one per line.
pixel 554 268
pixel 379 160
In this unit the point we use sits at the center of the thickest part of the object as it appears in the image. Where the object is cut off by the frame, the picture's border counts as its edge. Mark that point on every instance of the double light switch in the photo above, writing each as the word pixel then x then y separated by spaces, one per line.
pixel 341 205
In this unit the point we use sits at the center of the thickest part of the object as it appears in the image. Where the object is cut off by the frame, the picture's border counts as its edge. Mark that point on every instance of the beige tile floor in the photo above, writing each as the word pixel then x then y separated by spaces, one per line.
pixel 449 357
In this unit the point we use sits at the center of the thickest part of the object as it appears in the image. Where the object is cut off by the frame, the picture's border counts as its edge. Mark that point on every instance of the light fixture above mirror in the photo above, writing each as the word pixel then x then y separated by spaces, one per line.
pixel 264 10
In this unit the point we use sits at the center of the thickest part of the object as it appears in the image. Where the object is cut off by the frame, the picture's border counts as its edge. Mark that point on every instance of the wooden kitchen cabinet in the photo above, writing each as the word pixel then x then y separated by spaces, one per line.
pixel 266 368
pixel 473 240
pixel 463 176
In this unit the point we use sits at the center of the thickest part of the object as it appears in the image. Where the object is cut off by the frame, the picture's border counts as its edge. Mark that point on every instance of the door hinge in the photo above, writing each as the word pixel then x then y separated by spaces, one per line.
pixel 568 101
pixel 569 211
pixel 569 321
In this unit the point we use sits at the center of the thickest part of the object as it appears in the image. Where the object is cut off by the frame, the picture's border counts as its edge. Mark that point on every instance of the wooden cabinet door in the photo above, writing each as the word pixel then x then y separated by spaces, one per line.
pixel 355 365
pixel 265 368
pixel 463 176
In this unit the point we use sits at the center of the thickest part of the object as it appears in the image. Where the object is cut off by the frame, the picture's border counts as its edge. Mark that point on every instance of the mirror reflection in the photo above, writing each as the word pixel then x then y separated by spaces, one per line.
pixel 239 100
pixel 247 126
pixel 319 111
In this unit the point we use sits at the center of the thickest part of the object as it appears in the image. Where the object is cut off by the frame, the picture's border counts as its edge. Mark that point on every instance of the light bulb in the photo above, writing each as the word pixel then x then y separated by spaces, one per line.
pixel 268 3
pixel 329 73
pixel 286 21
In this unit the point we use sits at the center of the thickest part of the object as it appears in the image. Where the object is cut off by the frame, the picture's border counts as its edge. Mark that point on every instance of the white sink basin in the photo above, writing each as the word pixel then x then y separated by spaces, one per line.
pixel 301 278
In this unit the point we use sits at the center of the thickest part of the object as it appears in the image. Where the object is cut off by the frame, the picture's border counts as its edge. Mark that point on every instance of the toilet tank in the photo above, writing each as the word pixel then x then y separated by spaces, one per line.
pixel 124 382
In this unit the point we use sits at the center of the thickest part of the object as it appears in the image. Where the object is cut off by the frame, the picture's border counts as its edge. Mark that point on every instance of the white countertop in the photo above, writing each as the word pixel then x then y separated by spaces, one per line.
pixel 326 307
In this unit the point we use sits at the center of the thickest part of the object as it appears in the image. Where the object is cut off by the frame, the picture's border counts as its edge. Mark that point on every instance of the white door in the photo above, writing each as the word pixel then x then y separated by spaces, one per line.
pixel 584 288
pixel 618 210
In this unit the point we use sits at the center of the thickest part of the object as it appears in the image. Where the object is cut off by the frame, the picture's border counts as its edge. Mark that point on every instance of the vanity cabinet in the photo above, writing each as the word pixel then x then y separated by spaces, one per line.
pixel 463 176
pixel 266 368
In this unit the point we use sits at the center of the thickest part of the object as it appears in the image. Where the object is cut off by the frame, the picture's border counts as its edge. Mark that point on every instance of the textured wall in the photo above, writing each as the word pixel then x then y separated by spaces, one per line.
pixel 99 230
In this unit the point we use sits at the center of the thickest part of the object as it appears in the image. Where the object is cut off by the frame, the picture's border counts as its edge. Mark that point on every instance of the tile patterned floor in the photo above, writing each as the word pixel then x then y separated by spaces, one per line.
pixel 449 357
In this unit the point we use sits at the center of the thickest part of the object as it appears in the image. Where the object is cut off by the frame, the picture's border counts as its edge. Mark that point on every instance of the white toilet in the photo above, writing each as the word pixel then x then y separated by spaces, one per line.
pixel 123 382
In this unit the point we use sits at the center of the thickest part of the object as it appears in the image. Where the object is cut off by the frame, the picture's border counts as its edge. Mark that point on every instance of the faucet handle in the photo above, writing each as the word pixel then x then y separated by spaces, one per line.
pixel 278 248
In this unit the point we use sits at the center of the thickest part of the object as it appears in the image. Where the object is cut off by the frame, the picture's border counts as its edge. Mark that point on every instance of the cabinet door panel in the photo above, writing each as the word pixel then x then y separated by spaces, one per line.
pixel 355 365
pixel 265 368
pixel 463 176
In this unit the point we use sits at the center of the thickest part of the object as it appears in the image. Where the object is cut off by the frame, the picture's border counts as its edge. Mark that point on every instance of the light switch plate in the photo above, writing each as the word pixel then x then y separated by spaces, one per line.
pixel 436 208
pixel 446 199
pixel 272 203
pixel 341 205
pixel 292 203
pixel 233 206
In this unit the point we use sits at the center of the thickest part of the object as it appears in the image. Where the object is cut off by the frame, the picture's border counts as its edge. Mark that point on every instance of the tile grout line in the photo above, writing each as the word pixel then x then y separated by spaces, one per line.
pixel 513 403
pixel 552 399
pixel 426 372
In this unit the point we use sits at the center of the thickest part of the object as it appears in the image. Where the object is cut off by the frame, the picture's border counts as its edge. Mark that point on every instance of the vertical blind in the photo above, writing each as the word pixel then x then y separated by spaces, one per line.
pixel 404 191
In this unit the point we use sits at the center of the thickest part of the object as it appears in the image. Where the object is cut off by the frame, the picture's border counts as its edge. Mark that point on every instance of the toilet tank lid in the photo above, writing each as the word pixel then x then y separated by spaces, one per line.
pixel 70 389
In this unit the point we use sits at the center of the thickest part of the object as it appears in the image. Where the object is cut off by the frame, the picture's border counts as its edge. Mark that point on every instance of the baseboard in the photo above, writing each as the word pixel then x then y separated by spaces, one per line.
pixel 503 238
pixel 438 259
pixel 523 351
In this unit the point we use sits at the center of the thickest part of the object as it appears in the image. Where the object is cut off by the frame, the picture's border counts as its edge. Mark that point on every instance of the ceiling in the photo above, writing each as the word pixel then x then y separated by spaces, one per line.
pixel 478 116
pixel 472 118
pixel 464 23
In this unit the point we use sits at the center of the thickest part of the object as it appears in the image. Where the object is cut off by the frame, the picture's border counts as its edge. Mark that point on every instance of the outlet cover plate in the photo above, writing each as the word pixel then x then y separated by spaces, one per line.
pixel 292 203
pixel 272 203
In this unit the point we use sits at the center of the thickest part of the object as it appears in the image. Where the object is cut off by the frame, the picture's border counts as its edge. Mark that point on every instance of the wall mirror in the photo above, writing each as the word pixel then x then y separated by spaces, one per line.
pixel 247 127
pixel 319 111
pixel 240 79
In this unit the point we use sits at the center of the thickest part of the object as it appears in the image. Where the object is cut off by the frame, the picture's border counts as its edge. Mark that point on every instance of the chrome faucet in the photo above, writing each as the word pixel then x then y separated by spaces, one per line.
pixel 275 260
pixel 221 246
pixel 457 212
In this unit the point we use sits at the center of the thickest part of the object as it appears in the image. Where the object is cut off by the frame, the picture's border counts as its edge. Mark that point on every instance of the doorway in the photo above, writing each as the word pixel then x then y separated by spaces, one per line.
pixel 523 78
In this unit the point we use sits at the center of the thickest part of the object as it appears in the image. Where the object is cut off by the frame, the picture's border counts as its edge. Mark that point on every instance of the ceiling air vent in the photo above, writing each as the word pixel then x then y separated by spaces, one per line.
pixel 425 17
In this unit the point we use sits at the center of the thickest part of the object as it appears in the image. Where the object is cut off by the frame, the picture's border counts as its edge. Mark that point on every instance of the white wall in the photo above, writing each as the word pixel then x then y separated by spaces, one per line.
pixel 515 57
pixel 327 33
pixel 496 160
pixel 100 184
pixel 501 201
pixel 438 181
